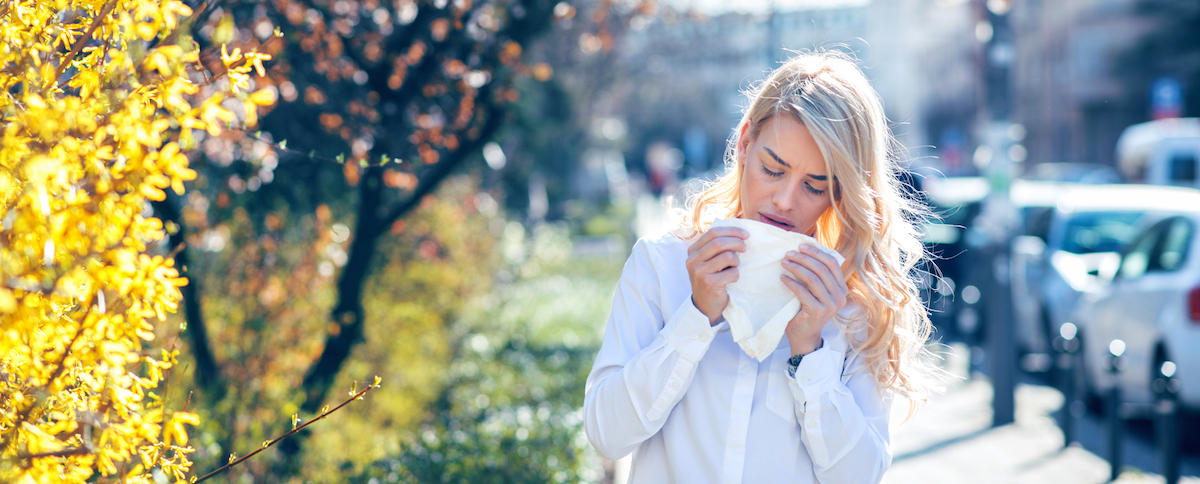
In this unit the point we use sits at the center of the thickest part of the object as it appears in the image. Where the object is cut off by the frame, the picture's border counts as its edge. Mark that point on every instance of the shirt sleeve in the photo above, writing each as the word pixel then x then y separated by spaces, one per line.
pixel 645 364
pixel 844 415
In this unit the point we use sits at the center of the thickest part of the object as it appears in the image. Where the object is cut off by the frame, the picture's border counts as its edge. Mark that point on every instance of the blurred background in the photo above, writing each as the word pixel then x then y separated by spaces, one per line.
pixel 445 192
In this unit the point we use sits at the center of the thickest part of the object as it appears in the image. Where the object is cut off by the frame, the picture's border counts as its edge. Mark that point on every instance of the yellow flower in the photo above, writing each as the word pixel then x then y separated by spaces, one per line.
pixel 81 152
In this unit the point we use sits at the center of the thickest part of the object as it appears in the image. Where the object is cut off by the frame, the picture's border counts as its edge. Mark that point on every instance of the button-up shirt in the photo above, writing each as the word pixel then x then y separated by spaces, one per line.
pixel 693 407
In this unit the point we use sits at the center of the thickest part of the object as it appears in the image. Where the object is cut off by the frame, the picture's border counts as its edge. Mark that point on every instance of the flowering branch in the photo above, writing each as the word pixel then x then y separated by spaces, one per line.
pixel 62 66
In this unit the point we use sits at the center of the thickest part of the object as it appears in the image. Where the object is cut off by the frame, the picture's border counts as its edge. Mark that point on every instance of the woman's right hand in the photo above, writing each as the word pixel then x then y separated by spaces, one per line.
pixel 712 264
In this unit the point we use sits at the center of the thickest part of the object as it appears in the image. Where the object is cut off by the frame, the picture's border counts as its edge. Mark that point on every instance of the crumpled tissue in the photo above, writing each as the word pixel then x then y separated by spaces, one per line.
pixel 760 306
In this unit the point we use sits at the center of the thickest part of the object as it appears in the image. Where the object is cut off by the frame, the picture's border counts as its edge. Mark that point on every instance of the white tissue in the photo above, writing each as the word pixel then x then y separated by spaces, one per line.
pixel 760 306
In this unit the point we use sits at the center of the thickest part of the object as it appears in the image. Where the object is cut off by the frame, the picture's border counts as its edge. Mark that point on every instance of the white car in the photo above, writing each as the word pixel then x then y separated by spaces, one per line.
pixel 1085 231
pixel 1153 307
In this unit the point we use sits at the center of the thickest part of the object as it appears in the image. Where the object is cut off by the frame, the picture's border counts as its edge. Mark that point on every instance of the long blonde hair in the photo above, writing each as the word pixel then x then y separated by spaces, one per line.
pixel 871 222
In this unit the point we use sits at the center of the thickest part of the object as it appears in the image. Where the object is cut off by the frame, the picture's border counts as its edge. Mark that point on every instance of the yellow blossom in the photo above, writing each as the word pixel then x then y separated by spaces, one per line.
pixel 88 137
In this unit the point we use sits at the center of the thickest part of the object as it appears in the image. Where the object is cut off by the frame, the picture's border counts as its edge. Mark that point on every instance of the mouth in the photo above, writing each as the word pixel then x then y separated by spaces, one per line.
pixel 776 220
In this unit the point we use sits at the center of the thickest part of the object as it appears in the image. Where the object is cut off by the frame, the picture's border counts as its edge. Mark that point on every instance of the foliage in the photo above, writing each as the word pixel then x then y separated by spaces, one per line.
pixel 510 407
pixel 268 292
pixel 380 102
pixel 98 110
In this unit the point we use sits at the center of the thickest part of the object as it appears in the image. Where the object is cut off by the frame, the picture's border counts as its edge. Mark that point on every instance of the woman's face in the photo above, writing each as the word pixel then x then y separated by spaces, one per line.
pixel 784 182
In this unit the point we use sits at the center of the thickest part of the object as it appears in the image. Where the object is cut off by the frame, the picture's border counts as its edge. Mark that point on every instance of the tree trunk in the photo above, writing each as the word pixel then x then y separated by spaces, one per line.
pixel 208 372
pixel 347 314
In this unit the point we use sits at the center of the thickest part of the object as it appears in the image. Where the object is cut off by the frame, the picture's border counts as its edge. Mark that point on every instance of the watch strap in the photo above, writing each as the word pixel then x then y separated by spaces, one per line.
pixel 794 362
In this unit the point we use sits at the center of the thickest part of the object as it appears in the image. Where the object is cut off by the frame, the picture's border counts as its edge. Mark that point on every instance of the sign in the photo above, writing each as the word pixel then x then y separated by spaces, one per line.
pixel 1166 98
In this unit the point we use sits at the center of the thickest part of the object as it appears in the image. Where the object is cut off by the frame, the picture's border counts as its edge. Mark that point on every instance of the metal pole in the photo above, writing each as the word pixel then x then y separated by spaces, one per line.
pixel 1001 355
pixel 1165 387
pixel 1067 347
pixel 1116 349
pixel 998 56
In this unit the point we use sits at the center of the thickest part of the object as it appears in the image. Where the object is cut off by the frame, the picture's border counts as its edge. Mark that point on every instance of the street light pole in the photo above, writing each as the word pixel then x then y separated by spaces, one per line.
pixel 999 216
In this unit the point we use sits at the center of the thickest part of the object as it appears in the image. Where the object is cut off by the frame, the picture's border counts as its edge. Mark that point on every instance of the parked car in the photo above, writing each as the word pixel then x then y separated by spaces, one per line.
pixel 1153 307
pixel 955 202
pixel 1090 173
pixel 955 299
pixel 1161 152
pixel 1086 229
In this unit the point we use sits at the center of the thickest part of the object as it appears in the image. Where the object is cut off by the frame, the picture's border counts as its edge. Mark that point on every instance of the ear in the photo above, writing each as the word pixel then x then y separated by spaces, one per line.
pixel 743 143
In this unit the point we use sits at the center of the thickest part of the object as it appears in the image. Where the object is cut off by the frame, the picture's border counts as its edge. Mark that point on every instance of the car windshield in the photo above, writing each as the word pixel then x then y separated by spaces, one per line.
pixel 1088 232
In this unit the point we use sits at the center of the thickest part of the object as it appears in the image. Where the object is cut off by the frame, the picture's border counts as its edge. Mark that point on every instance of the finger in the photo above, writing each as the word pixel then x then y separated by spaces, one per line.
pixel 714 283
pixel 808 271
pixel 808 302
pixel 822 299
pixel 724 278
pixel 829 277
pixel 716 232
pixel 717 264
pixel 829 261
pixel 720 245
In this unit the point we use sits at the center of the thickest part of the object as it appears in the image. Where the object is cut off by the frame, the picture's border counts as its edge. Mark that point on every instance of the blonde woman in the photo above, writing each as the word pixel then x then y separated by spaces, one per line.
pixel 811 155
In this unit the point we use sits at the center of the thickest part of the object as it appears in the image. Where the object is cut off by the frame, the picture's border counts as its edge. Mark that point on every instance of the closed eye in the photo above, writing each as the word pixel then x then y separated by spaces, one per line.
pixel 772 174
pixel 812 190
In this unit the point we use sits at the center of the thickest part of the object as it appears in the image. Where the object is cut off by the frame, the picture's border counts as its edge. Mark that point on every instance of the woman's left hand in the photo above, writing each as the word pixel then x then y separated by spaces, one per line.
pixel 819 285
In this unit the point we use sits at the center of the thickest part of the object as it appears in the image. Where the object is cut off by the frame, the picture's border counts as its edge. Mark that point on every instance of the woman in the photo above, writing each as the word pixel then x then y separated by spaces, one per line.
pixel 811 155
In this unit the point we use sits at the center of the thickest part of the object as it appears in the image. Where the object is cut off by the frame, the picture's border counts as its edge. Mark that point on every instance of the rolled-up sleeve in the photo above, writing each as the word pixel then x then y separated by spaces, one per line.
pixel 844 415
pixel 645 364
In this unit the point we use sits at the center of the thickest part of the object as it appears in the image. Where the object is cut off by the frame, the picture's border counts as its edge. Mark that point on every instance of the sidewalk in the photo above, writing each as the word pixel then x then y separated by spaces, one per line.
pixel 950 441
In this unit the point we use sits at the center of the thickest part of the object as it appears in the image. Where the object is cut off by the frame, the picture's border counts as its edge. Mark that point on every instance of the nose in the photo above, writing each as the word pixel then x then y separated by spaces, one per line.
pixel 785 197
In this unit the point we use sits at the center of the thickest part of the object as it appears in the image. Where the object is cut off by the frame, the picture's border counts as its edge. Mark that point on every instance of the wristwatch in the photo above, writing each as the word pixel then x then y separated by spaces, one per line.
pixel 794 362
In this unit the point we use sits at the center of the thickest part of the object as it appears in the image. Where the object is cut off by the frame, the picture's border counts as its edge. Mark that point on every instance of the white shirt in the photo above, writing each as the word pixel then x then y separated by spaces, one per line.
pixel 693 407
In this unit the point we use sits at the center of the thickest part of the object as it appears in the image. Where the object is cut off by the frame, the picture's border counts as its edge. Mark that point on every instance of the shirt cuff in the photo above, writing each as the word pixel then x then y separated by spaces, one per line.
pixel 817 374
pixel 688 331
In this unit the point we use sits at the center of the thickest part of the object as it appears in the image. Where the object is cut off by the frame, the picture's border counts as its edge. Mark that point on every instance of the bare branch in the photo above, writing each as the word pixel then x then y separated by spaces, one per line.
pixel 294 430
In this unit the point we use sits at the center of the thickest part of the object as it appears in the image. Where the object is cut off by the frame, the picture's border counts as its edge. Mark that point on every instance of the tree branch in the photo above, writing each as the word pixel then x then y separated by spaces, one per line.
pixel 295 428
pixel 432 178
pixel 87 36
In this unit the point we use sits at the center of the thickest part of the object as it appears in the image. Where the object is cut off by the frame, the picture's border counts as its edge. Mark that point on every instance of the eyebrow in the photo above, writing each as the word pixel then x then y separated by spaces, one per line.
pixel 784 163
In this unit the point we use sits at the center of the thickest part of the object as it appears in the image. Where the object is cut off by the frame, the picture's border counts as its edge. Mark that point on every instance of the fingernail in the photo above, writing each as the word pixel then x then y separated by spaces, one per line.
pixel 792 253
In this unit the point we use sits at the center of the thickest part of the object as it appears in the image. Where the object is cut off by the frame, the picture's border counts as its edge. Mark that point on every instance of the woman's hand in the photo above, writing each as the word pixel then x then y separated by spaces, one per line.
pixel 819 285
pixel 712 264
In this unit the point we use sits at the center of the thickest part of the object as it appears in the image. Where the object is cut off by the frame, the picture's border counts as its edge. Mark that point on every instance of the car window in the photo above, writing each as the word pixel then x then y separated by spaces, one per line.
pixel 1137 258
pixel 1172 251
pixel 1183 168
pixel 1039 222
pixel 1088 232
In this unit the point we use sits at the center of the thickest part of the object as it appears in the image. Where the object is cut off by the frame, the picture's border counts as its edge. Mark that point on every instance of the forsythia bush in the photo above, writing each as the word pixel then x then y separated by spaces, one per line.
pixel 97 111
